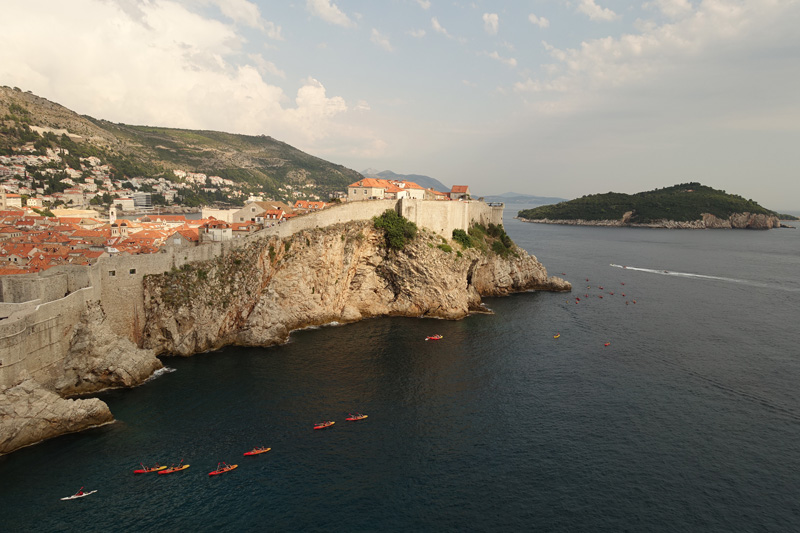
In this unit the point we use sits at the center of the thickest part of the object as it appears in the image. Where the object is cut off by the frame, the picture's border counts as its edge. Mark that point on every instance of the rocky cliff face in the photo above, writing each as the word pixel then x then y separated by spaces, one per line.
pixel 709 221
pixel 29 413
pixel 96 359
pixel 259 294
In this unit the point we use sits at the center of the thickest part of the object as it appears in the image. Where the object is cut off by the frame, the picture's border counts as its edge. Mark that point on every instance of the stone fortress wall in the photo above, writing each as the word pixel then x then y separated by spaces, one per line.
pixel 39 311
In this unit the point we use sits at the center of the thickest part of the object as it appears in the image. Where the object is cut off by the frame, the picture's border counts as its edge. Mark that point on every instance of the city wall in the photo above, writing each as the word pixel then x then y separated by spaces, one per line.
pixel 38 311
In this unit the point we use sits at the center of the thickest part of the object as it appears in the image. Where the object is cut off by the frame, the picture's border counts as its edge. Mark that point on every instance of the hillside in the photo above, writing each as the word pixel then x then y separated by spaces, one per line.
pixel 260 164
pixel 680 203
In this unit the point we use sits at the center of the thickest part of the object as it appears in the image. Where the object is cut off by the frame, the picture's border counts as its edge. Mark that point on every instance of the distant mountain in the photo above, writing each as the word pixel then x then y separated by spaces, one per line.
pixel 259 164
pixel 423 181
pixel 517 198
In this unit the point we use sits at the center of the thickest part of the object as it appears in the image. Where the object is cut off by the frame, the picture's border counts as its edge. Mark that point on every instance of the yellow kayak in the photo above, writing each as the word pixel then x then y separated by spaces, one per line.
pixel 174 469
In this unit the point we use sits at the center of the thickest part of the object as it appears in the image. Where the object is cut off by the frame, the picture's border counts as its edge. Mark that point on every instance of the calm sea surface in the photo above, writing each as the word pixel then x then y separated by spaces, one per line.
pixel 687 420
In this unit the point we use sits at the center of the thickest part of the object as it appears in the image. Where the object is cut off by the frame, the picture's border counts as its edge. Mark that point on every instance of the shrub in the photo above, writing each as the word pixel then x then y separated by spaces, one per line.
pixel 461 237
pixel 396 229
pixel 445 248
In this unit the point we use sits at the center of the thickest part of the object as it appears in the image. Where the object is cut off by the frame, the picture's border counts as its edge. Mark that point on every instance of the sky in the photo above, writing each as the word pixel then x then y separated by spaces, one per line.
pixel 544 97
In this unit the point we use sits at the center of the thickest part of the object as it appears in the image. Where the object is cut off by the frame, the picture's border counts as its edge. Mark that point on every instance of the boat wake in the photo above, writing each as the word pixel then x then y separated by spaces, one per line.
pixel 706 277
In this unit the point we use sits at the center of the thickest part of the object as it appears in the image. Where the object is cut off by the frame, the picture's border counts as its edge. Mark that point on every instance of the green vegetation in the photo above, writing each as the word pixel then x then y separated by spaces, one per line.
pixel 784 216
pixel 445 248
pixel 684 202
pixel 396 229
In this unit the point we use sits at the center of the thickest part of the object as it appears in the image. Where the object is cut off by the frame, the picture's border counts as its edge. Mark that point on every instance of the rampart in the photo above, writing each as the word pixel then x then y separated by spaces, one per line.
pixel 38 311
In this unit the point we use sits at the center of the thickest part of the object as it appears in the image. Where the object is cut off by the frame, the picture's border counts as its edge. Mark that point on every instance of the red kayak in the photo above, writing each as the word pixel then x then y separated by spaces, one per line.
pixel 323 425
pixel 146 469
pixel 357 416
pixel 256 451
pixel 434 338
pixel 222 468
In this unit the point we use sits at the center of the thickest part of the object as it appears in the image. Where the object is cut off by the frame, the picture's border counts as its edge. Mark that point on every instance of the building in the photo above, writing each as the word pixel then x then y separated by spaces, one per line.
pixel 459 192
pixel 143 201
pixel 381 189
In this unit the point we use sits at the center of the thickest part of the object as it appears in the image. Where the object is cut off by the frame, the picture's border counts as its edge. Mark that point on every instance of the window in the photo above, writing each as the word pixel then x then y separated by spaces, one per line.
pixel 132 271
pixel 112 273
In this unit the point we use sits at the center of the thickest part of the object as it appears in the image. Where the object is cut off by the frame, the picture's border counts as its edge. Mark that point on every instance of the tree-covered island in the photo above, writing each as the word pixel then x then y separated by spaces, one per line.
pixel 684 205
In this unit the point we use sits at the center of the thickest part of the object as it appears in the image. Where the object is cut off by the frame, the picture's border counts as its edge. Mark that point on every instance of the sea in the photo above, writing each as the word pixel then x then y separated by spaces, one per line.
pixel 661 394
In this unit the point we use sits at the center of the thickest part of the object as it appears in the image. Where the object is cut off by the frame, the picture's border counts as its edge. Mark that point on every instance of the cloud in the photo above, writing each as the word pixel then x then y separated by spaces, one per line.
pixel 164 65
pixel 595 12
pixel 438 28
pixel 424 4
pixel 716 60
pixel 510 61
pixel 539 21
pixel 381 40
pixel 417 33
pixel 248 14
pixel 266 67
pixel 672 8
pixel 490 23
pixel 329 12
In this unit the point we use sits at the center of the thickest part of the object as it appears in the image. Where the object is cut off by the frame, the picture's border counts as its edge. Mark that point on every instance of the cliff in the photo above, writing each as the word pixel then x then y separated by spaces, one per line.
pixel 708 221
pixel 254 294
pixel 342 273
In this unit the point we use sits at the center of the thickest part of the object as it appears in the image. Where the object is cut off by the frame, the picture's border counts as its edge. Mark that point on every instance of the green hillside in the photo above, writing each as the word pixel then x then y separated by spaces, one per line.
pixel 682 203
pixel 260 163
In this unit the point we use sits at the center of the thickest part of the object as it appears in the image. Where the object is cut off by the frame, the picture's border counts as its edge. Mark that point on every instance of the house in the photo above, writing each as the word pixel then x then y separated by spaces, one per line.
pixel 380 189
pixel 184 237
pixel 367 189
pixel 242 229
pixel 215 231
pixel 305 206
pixel 460 192
pixel 13 200
pixel 125 204
pixel 255 209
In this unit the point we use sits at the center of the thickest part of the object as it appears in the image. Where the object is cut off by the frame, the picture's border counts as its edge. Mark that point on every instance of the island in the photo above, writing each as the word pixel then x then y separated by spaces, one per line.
pixel 683 206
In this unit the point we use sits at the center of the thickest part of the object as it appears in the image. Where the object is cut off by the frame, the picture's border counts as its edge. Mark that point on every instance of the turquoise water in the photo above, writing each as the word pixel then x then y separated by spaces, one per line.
pixel 688 420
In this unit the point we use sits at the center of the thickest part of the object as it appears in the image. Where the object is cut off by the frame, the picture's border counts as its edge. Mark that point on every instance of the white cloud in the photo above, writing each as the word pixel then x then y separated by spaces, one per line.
pixel 266 67
pixel 709 60
pixel 329 12
pixel 539 21
pixel 595 12
pixel 417 33
pixel 381 40
pixel 163 65
pixel 248 14
pixel 438 28
pixel 490 23
pixel 424 4
pixel 510 61
pixel 672 8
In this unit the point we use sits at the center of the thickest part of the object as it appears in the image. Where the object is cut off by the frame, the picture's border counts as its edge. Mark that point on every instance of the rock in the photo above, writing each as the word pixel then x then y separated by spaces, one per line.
pixel 29 414
pixel 98 359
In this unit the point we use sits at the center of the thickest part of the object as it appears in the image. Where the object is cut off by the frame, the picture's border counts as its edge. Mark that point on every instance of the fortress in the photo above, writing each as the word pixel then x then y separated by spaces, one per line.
pixel 39 312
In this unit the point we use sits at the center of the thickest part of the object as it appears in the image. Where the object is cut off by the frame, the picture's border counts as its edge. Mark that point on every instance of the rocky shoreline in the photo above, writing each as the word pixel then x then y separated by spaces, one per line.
pixel 256 296
pixel 709 221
